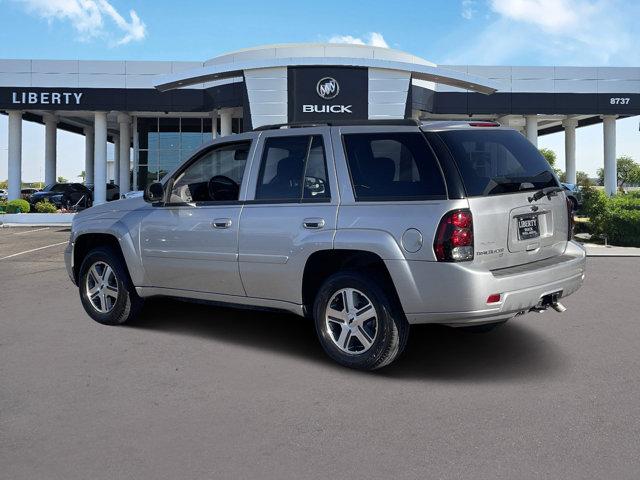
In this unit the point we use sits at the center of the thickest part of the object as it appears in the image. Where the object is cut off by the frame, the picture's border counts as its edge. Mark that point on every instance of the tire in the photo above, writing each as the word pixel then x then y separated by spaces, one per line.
pixel 114 311
pixel 367 344
pixel 574 204
pixel 484 328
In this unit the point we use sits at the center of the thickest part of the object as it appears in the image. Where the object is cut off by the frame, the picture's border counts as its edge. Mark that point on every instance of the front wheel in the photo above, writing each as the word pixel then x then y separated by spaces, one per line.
pixel 106 291
pixel 360 325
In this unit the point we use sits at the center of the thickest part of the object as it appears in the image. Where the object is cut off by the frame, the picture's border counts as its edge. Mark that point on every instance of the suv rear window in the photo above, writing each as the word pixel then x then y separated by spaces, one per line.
pixel 492 162
pixel 393 166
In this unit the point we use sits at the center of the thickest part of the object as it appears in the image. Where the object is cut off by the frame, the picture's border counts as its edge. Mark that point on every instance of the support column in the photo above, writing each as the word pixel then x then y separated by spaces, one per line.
pixel 136 153
pixel 226 116
pixel 214 124
pixel 50 147
pixel 570 125
pixel 531 129
pixel 116 159
pixel 125 152
pixel 14 154
pixel 610 167
pixel 88 155
pixel 100 158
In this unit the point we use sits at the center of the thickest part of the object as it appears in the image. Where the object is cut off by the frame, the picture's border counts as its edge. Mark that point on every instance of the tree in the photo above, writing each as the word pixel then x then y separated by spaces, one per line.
pixel 62 180
pixel 582 179
pixel 628 171
pixel 83 175
pixel 551 157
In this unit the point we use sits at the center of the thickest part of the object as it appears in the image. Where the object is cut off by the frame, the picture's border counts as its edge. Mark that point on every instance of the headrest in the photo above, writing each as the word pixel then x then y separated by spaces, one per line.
pixel 289 167
pixel 385 169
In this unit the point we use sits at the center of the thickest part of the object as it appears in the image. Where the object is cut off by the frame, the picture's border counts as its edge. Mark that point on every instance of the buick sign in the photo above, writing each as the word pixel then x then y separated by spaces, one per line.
pixel 320 94
pixel 328 88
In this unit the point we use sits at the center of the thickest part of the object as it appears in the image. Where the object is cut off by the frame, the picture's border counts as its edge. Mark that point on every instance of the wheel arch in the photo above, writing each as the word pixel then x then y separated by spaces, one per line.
pixel 86 241
pixel 321 264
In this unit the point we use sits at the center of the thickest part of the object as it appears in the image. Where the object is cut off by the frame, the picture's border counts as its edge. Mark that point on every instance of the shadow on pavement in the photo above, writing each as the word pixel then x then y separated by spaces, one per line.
pixel 433 352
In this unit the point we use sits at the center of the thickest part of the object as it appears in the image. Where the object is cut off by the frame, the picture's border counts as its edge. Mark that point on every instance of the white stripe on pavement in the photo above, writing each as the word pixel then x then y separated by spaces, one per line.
pixel 31 231
pixel 33 250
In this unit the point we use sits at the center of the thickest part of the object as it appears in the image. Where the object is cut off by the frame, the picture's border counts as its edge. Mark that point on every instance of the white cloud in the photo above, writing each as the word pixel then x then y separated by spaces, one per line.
pixel 576 32
pixel 373 39
pixel 90 18
pixel 468 9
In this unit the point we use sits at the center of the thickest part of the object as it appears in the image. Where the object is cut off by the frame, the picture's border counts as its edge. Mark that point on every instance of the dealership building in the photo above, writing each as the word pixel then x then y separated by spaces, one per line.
pixel 157 113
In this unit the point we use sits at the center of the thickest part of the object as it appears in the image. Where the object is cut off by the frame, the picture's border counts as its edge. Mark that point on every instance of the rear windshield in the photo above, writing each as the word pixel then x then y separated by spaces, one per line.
pixel 492 162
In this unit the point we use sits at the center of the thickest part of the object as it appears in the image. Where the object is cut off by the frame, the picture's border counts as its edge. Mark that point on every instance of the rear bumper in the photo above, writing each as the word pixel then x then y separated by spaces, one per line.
pixel 455 294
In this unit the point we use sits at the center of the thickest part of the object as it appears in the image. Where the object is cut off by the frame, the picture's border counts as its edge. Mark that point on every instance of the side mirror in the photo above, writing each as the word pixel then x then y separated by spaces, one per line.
pixel 154 193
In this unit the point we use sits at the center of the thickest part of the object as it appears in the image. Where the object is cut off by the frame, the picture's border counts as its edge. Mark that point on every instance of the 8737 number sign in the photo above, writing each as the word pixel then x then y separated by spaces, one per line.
pixel 619 100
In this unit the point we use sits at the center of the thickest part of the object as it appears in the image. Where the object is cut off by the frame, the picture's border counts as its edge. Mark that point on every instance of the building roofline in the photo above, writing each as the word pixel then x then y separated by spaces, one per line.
pixel 418 71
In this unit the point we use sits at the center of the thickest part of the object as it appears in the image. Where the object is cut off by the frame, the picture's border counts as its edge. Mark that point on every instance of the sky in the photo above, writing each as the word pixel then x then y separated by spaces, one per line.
pixel 477 32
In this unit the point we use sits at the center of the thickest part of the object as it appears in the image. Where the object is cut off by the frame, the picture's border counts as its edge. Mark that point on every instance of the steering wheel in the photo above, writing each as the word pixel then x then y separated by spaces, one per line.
pixel 223 188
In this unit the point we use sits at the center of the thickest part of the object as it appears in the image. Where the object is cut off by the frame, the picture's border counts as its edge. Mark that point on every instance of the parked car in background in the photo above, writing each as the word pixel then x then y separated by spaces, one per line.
pixel 132 194
pixel 366 228
pixel 3 194
pixel 574 194
pixel 113 191
pixel 26 193
pixel 64 195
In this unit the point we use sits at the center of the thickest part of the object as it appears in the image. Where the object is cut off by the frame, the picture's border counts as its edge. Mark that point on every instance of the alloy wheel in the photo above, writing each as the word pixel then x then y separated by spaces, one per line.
pixel 351 321
pixel 102 287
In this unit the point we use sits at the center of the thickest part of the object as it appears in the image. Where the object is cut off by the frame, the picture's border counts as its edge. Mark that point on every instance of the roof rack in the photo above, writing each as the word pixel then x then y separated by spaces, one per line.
pixel 340 123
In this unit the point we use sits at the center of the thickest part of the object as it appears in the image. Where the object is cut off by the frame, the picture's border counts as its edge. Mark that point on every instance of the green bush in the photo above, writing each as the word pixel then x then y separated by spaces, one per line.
pixel 46 206
pixel 622 227
pixel 617 218
pixel 18 206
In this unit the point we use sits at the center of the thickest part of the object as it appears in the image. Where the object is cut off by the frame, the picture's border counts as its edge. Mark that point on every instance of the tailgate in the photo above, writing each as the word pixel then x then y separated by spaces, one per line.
pixel 509 230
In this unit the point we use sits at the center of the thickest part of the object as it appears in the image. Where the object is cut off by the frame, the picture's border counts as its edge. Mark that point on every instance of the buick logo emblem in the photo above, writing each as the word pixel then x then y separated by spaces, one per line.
pixel 327 88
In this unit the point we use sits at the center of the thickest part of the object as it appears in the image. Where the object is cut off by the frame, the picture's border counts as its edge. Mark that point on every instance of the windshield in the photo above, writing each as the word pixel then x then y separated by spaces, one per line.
pixel 55 187
pixel 492 162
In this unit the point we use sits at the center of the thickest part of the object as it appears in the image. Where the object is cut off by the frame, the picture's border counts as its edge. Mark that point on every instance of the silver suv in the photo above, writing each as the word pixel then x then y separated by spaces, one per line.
pixel 366 228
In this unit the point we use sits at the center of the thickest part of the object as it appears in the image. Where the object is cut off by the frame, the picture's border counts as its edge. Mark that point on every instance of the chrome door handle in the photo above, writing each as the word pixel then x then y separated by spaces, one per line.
pixel 313 223
pixel 221 223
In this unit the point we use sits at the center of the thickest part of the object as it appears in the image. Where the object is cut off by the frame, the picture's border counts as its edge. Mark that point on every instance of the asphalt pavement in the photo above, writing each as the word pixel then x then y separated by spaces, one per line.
pixel 198 392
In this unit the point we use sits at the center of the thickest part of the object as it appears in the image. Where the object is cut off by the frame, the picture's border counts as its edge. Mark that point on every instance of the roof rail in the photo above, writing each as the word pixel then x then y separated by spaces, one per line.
pixel 341 123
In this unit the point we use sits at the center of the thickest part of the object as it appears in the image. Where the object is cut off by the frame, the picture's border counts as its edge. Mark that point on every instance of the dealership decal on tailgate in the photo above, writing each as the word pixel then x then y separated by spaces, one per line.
pixel 528 227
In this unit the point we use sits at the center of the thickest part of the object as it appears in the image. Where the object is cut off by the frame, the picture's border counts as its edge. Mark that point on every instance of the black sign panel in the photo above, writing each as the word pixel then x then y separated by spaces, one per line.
pixel 530 103
pixel 125 99
pixel 328 93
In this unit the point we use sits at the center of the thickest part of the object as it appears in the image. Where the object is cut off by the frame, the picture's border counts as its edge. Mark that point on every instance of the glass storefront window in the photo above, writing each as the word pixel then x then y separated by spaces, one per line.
pixel 165 142
pixel 169 134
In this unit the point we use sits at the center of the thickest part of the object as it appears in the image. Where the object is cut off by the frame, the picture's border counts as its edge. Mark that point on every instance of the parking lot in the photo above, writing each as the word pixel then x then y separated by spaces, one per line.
pixel 193 391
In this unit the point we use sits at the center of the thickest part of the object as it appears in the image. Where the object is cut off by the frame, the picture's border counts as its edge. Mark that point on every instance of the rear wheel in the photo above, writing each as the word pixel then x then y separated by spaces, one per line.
pixel 106 291
pixel 358 323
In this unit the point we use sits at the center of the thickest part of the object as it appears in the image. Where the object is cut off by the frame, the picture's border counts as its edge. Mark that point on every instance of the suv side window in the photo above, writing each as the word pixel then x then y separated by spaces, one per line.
pixel 293 168
pixel 393 166
pixel 215 176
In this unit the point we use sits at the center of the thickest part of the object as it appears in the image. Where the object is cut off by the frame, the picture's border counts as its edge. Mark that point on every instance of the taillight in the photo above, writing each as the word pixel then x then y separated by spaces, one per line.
pixel 454 238
pixel 570 221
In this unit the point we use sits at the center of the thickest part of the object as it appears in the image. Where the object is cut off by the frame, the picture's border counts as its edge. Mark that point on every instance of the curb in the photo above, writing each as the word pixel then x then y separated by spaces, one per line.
pixel 36 219
pixel 611 251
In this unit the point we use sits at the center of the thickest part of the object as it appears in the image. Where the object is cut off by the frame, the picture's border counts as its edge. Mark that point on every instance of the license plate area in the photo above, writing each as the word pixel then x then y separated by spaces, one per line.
pixel 528 226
